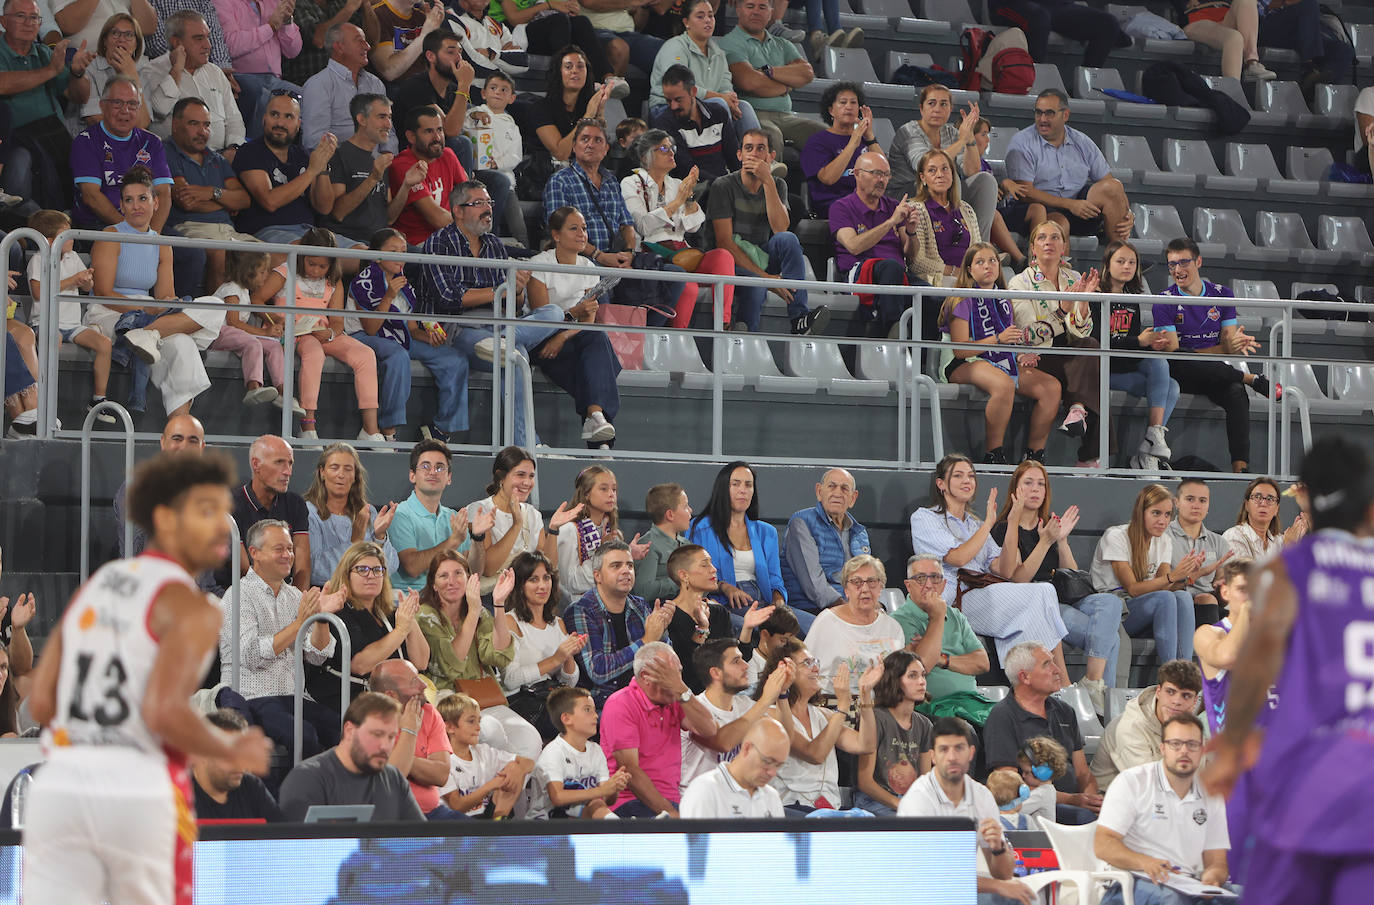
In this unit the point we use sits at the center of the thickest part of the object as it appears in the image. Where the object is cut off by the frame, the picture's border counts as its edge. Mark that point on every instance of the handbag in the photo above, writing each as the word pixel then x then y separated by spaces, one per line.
pixel 530 702
pixel 628 346
pixel 968 580
pixel 486 691
pixel 1071 585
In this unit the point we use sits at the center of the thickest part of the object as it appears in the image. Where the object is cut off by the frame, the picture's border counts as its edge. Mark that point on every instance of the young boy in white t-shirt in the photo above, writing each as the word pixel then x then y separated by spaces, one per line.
pixel 76 278
pixel 482 781
pixel 571 777
pixel 496 143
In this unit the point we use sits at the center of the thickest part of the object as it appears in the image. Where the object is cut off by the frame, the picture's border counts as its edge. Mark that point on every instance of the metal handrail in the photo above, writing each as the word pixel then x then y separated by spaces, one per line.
pixel 232 598
pixel 6 243
pixel 346 658
pixel 87 429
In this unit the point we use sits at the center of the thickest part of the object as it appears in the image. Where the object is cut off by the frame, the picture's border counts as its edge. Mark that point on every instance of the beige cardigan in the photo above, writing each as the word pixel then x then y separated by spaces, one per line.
pixel 926 262
pixel 1041 318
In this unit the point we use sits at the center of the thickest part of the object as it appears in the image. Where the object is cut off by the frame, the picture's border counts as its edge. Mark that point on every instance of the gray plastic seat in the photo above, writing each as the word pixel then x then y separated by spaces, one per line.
pixel 1362 36
pixel 999 138
pixel 748 356
pixel 1354 383
pixel 1285 230
pixel 1233 89
pixel 1131 159
pixel 1156 225
pixel 820 360
pixel 892 598
pixel 1194 156
pixel 896 59
pixel 614 114
pixel 1302 326
pixel 1346 235
pixel 892 9
pixel 994 693
pixel 956 12
pixel 1286 98
pixel 1309 163
pixel 1257 162
pixel 1255 289
pixel 1336 102
pixel 1219 231
pixel 888 362
pixel 848 65
pixel 884 131
pixel 1088 84
pixel 1117 699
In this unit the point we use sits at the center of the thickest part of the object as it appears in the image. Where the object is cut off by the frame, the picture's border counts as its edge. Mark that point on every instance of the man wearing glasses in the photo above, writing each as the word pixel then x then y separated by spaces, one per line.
pixel 272 612
pixel 1056 172
pixel 872 242
pixel 952 672
pixel 1208 328
pixel 424 527
pixel 1156 820
pixel 102 154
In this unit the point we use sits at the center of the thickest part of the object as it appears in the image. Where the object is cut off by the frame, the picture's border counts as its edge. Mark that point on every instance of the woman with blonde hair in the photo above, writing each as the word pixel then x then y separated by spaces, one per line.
pixel 340 514
pixel 1062 322
pixel 380 627
pixel 945 226
pixel 1258 532
pixel 1132 561
pixel 119 51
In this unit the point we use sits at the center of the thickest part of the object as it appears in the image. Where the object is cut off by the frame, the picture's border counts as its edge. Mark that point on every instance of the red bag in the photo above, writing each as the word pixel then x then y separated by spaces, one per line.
pixel 629 347
pixel 974 43
pixel 1013 71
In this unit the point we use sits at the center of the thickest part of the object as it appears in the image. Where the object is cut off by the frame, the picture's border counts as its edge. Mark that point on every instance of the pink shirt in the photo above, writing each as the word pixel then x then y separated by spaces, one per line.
pixel 631 720
pixel 431 738
pixel 252 43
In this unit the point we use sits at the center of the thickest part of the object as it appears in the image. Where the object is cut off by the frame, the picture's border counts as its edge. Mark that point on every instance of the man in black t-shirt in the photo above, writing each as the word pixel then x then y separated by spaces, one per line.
pixel 353 194
pixel 223 793
pixel 277 173
pixel 271 460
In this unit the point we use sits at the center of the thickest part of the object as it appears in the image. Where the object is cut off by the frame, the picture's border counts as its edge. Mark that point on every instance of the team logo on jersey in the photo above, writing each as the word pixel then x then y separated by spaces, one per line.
pixel 142 156
pixel 1214 313
pixel 1200 816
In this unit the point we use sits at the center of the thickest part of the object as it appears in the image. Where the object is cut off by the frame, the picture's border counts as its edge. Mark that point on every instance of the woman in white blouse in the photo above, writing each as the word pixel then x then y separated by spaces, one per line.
pixel 1257 533
pixel 665 215
pixel 517 527
pixel 544 651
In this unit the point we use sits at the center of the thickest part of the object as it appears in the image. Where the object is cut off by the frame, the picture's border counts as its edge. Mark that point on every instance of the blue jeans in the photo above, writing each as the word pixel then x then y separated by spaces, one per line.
pixel 784 258
pixel 1147 893
pixel 804 617
pixel 1151 380
pixel 447 364
pixel 814 11
pixel 545 322
pixel 643 48
pixel 257 88
pixel 872 804
pixel 444 812
pixel 1169 616
pixel 1092 623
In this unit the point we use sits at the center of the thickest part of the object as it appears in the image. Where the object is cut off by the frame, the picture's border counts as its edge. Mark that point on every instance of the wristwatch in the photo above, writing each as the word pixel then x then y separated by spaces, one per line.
pixel 217 194
pixel 685 696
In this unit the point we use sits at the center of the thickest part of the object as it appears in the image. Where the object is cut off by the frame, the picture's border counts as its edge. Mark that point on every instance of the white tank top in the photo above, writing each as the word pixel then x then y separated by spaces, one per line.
pixel 108 651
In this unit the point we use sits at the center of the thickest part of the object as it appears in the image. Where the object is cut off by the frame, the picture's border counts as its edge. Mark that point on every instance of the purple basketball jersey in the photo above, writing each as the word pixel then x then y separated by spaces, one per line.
pixel 1214 691
pixel 1314 783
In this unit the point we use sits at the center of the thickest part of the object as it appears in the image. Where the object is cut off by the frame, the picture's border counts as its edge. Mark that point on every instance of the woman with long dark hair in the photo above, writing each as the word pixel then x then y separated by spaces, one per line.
pixel 545 653
pixel 517 527
pixel 743 549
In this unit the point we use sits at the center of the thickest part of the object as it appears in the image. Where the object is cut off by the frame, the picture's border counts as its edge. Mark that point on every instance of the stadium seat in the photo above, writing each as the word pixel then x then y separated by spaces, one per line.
pixel 1301 377
pixel 884 131
pixel 1257 162
pixel 1220 231
pixel 1117 699
pixel 1130 158
pixel 1354 383
pixel 892 598
pixel 1073 849
pixel 896 59
pixel 999 137
pixel 994 693
pixel 956 12
pixel 892 9
pixel 1362 36
pixel 820 360
pixel 1285 98
pixel 885 361
pixel 1336 103
pixel 848 65
pixel 1195 157
pixel 748 356
pixel 1347 236
pixel 1311 164
pixel 615 114
pixel 1285 230
pixel 1088 84
pixel 1232 89
pixel 1156 225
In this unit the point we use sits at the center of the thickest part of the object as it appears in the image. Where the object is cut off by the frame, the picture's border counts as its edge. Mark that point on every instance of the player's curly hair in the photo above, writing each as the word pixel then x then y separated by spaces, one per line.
pixel 164 480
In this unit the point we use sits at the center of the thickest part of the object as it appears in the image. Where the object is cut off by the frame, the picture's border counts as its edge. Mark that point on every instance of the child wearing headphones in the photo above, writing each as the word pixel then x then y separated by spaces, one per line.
pixel 1042 760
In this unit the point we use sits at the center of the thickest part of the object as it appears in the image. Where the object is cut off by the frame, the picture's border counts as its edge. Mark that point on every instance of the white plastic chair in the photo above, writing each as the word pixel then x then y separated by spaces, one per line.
pixel 994 693
pixel 1285 98
pixel 1155 226
pixel 1073 849
pixel 1257 162
pixel 1346 235
pixel 1354 383
pixel 1309 163
pixel 749 357
pixel 820 360
pixel 1223 230
pixel 884 361
pixel 1285 230
pixel 850 65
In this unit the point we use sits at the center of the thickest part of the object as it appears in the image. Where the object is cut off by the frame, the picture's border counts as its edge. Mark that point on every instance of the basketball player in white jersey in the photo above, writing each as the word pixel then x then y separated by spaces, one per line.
pixel 110 815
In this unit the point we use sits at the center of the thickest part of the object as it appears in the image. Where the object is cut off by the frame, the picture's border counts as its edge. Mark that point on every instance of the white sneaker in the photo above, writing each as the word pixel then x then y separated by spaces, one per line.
pixel 261 396
pixel 787 34
pixel 296 408
pixel 620 89
pixel 145 343
pixel 311 434
pixel 597 429
pixel 1258 71
pixel 1097 693
pixel 1154 444
pixel 371 438
pixel 8 200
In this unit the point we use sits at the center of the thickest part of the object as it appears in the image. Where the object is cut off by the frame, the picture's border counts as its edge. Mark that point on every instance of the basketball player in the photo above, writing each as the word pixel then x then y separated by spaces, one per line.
pixel 1311 792
pixel 110 815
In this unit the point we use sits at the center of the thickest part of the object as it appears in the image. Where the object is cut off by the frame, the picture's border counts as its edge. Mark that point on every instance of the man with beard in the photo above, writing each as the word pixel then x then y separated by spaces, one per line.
pixel 425 209
pixel 205 191
pixel 422 750
pixel 353 194
pixel 1157 820
pixel 326 101
pixel 740 787
pixel 357 770
pixel 102 154
pixel 277 173
pixel 224 792
pixel 948 791
pixel 703 134
pixel 453 289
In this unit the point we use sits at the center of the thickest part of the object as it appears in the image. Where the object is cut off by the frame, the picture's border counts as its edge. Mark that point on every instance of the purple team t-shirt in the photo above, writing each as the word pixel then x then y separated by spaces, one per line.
pixel 987 317
pixel 951 233
pixel 851 212
pixel 1198 323
pixel 99 158
pixel 820 151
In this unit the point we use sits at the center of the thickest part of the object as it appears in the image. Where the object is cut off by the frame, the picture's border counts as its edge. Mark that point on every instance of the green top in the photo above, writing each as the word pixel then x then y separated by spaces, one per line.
pixel 958 638
pixel 496 12
pixel 740 47
pixel 651 573
pixel 482 660
pixel 38 102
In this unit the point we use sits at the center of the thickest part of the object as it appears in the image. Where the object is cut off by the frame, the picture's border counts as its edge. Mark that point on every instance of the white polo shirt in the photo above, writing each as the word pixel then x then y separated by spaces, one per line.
pixel 1152 820
pixel 716 794
pixel 697 759
pixel 925 798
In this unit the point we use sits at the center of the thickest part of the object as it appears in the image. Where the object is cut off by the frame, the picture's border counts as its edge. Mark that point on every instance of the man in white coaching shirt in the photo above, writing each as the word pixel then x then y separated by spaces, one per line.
pixel 739 788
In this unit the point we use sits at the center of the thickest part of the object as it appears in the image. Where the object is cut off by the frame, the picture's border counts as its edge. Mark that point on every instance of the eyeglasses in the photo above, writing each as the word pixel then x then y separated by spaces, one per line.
pixel 811 663
pixel 373 571
pixel 286 92
pixel 1180 264
pixel 666 149
pixel 436 467
pixel 1046 114
pixel 122 105
pixel 121 33
pixel 1178 744
pixel 927 577
pixel 772 763
pixel 878 174
pixel 486 203
pixel 866 582
pixel 1263 498
pixel 27 18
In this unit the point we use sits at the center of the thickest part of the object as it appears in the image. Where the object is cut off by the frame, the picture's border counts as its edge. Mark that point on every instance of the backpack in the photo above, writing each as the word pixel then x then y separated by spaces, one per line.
pixel 921 76
pixel 1013 71
pixel 1001 62
pixel 974 43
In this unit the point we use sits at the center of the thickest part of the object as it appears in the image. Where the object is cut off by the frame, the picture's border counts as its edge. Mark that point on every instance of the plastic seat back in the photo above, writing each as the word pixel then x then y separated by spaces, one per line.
pixel 849 65
pixel 1336 100
pixel 1129 152
pixel 1230 87
pixel 955 12
pixel 748 356
pixel 1309 163
pixel 818 359
pixel 892 598
pixel 1220 225
pixel 1184 156
pixel 1344 234
pixel 672 352
pixel 1158 221
pixel 883 361
pixel 1274 229
pixel 1253 161
pixel 1089 82
pixel 1254 289
pixel 1282 97
pixel 1047 76
pixel 896 59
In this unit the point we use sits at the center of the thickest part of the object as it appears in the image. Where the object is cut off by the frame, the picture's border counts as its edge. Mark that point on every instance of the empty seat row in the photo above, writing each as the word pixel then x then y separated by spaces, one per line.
pixel 1282 236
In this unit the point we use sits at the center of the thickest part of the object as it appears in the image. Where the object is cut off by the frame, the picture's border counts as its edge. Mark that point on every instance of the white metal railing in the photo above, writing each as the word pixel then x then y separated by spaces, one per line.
pixel 503 319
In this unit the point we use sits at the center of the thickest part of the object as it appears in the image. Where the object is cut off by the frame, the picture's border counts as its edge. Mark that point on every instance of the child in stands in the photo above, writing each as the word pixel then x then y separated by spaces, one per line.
pixel 572 777
pixel 483 781
pixel 987 319
pixel 1042 761
pixel 254 338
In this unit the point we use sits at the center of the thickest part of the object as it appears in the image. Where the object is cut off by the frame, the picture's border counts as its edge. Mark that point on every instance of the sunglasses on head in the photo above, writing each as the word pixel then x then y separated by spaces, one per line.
pixel 286 92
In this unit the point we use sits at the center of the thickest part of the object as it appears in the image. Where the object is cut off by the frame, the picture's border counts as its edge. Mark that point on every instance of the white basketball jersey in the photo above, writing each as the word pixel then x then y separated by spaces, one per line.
pixel 108 651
